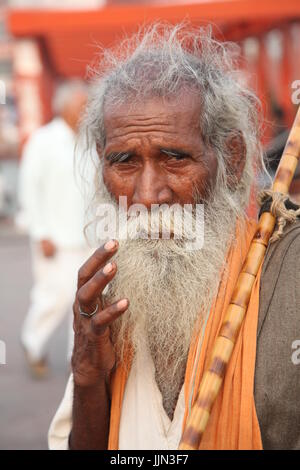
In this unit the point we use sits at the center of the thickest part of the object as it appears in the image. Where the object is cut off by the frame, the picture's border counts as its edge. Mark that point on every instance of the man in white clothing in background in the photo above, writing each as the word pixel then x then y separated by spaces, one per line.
pixel 53 207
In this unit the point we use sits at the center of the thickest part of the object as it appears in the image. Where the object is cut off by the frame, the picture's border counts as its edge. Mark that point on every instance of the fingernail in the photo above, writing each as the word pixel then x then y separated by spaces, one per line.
pixel 108 268
pixel 122 303
pixel 110 245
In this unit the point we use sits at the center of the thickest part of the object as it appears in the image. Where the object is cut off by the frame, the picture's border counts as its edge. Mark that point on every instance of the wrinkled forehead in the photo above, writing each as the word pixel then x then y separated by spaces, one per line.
pixel 178 115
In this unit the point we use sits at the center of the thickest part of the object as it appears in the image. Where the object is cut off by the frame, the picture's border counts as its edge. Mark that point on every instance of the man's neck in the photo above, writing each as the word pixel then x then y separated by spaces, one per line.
pixel 72 125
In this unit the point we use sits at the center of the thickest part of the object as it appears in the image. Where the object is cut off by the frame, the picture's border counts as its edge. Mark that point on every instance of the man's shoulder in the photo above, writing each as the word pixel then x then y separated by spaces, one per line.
pixel 277 378
pixel 282 249
pixel 41 135
pixel 45 138
pixel 47 131
pixel 280 278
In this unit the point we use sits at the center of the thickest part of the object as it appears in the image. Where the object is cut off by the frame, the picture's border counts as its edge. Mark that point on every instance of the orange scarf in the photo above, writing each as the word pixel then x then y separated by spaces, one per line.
pixel 233 423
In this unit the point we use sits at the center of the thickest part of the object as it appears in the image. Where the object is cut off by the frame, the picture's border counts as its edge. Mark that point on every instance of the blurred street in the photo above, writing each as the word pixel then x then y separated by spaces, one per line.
pixel 26 405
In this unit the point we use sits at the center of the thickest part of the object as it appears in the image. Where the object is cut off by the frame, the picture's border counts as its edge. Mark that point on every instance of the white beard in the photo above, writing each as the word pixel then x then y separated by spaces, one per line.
pixel 169 288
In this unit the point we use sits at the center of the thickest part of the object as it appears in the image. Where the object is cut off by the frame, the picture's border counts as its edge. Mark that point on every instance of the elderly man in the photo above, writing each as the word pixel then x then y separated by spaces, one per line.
pixel 53 207
pixel 173 126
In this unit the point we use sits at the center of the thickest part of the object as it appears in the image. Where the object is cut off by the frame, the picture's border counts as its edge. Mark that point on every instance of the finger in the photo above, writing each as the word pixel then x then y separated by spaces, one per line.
pixel 103 319
pixel 88 295
pixel 96 261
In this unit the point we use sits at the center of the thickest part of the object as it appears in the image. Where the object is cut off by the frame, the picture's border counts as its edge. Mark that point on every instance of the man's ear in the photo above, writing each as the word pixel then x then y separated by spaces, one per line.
pixel 236 152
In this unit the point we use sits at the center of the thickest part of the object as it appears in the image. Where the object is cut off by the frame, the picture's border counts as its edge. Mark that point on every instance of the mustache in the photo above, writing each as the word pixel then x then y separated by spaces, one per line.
pixel 163 220
pixel 183 223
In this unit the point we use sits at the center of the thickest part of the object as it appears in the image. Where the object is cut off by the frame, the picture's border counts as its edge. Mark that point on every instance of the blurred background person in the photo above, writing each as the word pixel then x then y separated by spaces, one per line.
pixel 52 207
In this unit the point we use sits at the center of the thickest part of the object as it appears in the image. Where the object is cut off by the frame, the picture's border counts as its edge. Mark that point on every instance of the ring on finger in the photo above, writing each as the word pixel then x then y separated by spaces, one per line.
pixel 85 314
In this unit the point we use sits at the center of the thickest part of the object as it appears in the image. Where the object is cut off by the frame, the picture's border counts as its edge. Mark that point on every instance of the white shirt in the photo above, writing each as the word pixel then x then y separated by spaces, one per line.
pixel 144 423
pixel 49 194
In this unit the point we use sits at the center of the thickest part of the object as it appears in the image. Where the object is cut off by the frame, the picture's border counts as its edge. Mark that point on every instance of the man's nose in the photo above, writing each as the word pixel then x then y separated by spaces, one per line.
pixel 151 188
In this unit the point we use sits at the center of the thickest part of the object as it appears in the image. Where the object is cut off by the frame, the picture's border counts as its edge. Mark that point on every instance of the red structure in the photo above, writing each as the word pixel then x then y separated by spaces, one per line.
pixel 66 42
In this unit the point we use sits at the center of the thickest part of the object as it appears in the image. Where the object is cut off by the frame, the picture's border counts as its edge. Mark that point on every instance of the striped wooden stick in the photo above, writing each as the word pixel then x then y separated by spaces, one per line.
pixel 221 354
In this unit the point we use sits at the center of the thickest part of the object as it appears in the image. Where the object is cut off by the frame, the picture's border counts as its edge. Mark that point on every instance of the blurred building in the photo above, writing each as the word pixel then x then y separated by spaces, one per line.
pixel 58 39
pixel 9 135
pixel 8 115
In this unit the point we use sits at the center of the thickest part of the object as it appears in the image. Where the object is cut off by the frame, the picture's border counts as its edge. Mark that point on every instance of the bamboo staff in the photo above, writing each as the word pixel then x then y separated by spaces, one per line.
pixel 221 354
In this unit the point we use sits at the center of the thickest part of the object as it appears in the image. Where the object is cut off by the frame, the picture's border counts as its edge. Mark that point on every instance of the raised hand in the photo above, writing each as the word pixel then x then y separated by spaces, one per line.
pixel 93 356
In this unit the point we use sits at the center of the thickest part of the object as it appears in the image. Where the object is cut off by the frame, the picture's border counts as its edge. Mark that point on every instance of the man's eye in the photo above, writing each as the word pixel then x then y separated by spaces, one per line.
pixel 124 159
pixel 173 155
pixel 119 158
pixel 178 157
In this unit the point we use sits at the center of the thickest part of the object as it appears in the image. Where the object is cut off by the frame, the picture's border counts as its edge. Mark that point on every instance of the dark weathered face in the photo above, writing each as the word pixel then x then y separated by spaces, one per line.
pixel 154 153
